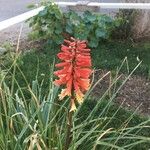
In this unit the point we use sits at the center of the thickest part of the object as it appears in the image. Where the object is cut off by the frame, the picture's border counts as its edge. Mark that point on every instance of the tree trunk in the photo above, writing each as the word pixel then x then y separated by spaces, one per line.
pixel 141 22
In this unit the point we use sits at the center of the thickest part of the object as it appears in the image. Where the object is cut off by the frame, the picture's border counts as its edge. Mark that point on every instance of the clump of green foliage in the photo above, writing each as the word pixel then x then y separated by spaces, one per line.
pixel 39 121
pixel 54 25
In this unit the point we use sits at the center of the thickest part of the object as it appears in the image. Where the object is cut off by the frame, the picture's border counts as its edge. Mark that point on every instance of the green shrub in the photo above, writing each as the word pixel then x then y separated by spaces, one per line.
pixel 54 25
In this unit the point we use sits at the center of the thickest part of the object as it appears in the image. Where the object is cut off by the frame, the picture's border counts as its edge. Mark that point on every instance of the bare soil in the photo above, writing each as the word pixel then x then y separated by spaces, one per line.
pixel 134 94
pixel 11 34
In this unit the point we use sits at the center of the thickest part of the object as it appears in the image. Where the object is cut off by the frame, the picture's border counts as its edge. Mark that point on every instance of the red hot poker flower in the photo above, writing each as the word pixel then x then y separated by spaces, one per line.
pixel 75 70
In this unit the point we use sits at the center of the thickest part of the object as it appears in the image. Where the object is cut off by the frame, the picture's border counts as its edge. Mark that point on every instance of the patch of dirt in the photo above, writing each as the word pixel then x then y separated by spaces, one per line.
pixel 134 94
pixel 11 34
pixel 26 45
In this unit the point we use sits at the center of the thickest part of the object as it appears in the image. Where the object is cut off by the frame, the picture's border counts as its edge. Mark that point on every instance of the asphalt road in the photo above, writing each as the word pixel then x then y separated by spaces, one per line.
pixel 10 8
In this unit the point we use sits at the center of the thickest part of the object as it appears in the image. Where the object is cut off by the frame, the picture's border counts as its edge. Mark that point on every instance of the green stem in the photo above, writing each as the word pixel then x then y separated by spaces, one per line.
pixel 68 136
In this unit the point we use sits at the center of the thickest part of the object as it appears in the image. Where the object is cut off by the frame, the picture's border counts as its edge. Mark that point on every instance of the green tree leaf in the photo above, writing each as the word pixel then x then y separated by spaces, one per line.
pixel 100 33
pixel 69 29
pixel 89 16
pixel 58 28
pixel 93 42
pixel 58 39
pixel 43 12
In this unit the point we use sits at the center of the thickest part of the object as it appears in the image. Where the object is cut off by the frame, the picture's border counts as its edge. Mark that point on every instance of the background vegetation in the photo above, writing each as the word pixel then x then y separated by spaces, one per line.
pixel 32 117
pixel 54 25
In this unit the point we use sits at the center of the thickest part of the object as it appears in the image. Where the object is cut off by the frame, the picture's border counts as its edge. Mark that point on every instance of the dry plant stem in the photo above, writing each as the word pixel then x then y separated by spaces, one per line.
pixel 110 83
pixel 16 56
pixel 69 125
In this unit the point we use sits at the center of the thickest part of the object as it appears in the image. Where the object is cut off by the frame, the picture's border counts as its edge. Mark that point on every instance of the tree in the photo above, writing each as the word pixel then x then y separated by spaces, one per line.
pixel 141 22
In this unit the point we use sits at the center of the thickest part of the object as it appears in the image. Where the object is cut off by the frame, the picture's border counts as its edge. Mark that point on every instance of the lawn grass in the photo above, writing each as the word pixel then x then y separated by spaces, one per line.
pixel 110 55
pixel 36 65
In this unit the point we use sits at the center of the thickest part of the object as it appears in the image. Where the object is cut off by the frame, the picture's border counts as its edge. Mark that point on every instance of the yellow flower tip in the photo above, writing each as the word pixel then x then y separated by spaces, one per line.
pixel 60 97
pixel 73 106
pixel 62 94
pixel 73 109
pixel 79 97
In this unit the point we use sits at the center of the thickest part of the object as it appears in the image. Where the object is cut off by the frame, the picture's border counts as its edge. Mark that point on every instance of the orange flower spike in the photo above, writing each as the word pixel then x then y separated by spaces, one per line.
pixel 75 70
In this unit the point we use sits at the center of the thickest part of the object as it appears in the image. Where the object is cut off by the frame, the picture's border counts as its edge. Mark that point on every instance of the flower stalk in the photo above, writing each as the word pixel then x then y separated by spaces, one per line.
pixel 68 134
pixel 73 75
